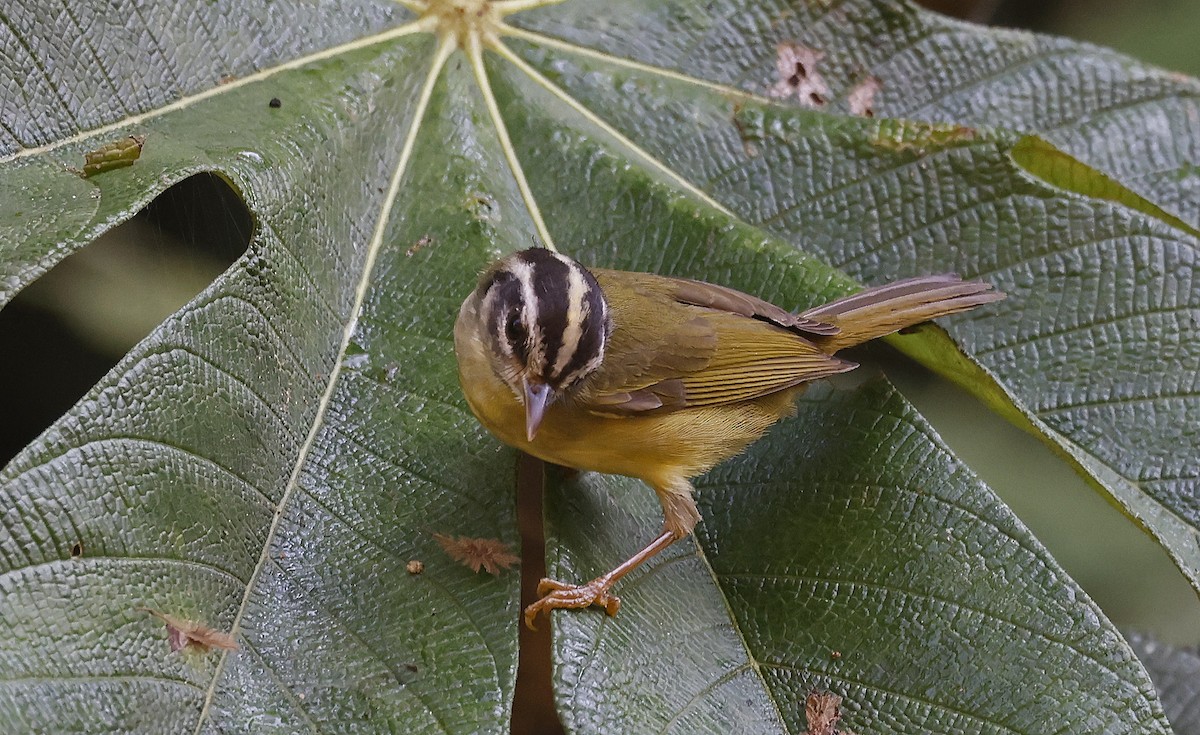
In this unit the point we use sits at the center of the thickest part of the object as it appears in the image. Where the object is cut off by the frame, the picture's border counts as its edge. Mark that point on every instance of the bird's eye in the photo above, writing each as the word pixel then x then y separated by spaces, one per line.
pixel 514 330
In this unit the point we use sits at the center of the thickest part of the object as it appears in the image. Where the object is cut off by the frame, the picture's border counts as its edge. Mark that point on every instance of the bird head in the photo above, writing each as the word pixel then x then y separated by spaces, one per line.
pixel 546 323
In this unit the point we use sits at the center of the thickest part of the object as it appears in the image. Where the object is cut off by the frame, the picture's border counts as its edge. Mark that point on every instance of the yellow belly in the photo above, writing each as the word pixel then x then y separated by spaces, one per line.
pixel 659 448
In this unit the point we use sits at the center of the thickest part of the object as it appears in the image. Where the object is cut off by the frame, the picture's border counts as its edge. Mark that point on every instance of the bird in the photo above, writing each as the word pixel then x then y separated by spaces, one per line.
pixel 655 377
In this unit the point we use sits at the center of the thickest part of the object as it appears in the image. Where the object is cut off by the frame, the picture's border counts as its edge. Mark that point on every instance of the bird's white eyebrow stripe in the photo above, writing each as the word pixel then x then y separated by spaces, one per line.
pixel 524 274
pixel 577 312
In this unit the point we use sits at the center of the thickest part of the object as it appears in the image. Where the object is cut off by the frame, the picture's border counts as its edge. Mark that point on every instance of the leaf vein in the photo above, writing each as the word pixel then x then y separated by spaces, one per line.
pixel 679 180
pixel 929 703
pixel 1029 338
pixel 134 440
pixel 417 26
pixel 354 636
pixel 86 678
pixel 445 47
pixel 92 560
pixel 283 687
pixel 819 579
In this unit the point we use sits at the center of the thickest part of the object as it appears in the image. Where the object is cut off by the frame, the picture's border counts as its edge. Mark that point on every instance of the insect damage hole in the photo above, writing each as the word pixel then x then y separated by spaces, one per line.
pixel 861 98
pixel 64 331
pixel 796 68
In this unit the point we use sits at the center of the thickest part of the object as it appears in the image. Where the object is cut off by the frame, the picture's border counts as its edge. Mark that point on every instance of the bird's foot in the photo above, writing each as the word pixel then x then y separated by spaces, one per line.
pixel 555 595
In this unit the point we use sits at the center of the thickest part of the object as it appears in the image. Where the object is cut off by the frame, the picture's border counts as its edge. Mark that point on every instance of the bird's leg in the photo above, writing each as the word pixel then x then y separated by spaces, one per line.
pixel 679 518
pixel 555 594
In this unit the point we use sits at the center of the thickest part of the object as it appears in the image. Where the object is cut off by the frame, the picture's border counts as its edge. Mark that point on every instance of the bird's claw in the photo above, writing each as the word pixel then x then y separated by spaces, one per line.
pixel 555 595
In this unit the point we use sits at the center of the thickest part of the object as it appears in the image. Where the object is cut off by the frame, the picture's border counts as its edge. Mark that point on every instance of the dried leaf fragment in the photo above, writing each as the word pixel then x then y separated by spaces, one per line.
pixel 862 98
pixel 798 76
pixel 823 711
pixel 184 633
pixel 415 566
pixel 118 154
pixel 489 554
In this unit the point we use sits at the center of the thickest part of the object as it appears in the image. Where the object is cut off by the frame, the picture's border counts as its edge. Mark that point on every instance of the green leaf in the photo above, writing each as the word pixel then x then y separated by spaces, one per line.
pixel 272 456
pixel 269 459
pixel 1095 350
pixel 1176 674
pixel 1133 121
pixel 848 551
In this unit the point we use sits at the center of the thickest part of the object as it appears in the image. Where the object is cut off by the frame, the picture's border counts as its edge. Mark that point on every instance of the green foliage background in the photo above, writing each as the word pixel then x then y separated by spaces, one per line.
pixel 270 456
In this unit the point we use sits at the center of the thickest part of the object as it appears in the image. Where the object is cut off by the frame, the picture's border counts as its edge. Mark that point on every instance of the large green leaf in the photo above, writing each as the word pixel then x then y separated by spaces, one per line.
pixel 268 460
pixel 1176 674
pixel 1096 350
pixel 849 551
pixel 272 456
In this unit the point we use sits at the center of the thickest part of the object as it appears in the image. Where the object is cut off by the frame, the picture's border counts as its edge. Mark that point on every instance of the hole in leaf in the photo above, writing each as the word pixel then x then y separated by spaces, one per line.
pixel 64 331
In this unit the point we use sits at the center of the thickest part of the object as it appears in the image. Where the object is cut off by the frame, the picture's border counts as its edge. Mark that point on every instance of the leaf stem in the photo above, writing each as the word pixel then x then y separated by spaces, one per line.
pixel 421 25
pixel 475 54
pixel 676 178
pixel 516 6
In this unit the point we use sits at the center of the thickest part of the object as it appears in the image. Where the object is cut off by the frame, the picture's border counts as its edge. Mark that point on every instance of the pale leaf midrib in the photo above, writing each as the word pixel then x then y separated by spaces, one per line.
pixel 445 47
pixel 183 103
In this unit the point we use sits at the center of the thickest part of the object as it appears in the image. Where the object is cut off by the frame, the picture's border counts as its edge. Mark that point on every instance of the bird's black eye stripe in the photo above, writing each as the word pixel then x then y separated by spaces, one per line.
pixel 514 327
pixel 514 330
pixel 503 294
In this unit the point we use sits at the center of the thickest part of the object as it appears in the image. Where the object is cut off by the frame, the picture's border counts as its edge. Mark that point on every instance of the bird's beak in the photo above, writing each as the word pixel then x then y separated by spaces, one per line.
pixel 538 396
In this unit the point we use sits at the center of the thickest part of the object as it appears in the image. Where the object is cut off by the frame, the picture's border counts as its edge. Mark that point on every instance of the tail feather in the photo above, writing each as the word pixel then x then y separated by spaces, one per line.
pixel 881 310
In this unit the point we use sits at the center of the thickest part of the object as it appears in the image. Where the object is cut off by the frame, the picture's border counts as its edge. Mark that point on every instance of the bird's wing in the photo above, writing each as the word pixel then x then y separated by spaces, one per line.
pixel 686 349
pixel 723 298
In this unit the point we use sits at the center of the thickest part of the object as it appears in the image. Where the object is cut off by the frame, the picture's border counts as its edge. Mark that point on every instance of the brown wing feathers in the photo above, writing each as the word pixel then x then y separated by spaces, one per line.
pixel 699 293
pixel 736 347
pixel 882 310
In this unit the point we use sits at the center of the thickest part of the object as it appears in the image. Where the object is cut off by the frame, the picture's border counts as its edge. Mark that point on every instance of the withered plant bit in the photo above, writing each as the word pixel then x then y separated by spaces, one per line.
pixel 117 154
pixel 415 566
pixel 823 711
pixel 184 633
pixel 489 554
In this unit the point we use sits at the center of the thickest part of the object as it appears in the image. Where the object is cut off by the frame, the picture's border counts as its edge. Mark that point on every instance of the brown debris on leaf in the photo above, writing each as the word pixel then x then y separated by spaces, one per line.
pixel 117 154
pixel 424 242
pixel 182 634
pixel 798 76
pixel 823 711
pixel 489 554
pixel 862 98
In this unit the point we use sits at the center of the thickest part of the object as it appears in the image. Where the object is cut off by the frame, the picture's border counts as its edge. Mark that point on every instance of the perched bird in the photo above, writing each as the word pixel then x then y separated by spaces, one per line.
pixel 655 377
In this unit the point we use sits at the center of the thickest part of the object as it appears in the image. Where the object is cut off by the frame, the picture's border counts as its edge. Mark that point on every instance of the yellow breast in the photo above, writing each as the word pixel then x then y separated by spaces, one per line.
pixel 657 447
